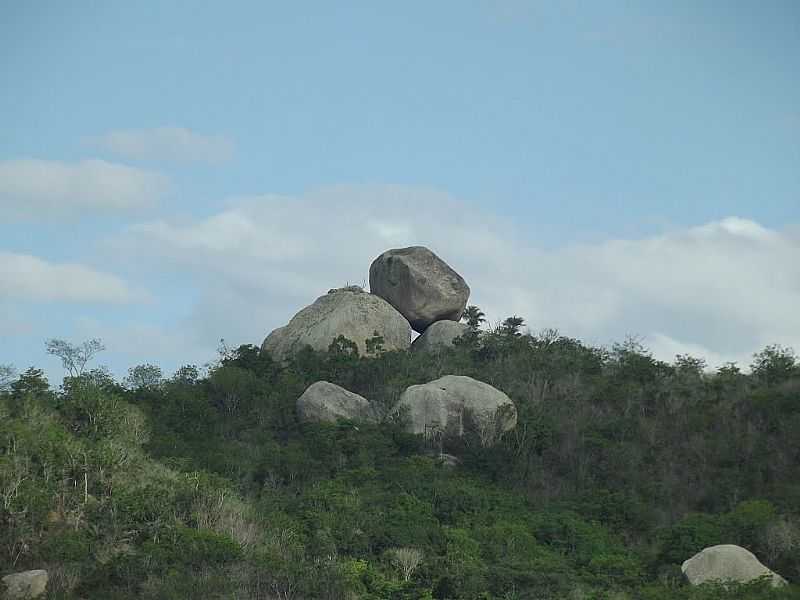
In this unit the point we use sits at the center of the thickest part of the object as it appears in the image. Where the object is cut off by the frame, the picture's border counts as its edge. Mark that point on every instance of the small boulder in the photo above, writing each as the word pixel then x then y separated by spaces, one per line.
pixel 25 585
pixel 325 402
pixel 727 563
pixel 350 312
pixel 454 404
pixel 420 285
pixel 439 335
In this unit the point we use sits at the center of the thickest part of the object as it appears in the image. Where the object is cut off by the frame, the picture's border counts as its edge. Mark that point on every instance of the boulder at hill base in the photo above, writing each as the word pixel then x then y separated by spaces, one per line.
pixel 727 563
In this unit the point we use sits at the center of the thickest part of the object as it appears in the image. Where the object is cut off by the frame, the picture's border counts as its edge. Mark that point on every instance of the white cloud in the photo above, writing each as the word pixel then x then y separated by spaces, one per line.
pixel 667 348
pixel 722 290
pixel 45 188
pixel 29 278
pixel 173 144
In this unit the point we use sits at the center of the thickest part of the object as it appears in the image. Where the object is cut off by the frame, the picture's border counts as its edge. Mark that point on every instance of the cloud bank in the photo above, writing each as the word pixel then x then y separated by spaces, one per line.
pixel 722 290
pixel 171 144
pixel 31 279
pixel 41 189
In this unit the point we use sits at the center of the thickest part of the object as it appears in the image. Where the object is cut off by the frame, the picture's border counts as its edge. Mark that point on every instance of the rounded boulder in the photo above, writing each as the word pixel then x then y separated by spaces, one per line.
pixel 350 312
pixel 420 285
pixel 439 335
pixel 727 563
pixel 455 404
pixel 25 585
pixel 325 402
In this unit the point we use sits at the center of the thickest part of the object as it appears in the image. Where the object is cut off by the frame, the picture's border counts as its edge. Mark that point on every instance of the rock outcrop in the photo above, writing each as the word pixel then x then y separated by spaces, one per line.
pixel 348 311
pixel 420 285
pixel 25 585
pixel 325 402
pixel 727 563
pixel 454 404
pixel 439 335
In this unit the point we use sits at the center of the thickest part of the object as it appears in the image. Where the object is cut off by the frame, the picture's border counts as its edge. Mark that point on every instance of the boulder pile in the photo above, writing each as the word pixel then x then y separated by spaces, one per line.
pixel 446 407
pixel 409 288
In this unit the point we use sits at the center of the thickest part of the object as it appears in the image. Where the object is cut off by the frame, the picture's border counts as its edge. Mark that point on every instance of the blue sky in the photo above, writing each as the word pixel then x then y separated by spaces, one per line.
pixel 173 173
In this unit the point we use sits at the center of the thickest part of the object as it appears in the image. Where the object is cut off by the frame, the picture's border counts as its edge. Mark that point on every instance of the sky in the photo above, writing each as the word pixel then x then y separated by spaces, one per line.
pixel 174 173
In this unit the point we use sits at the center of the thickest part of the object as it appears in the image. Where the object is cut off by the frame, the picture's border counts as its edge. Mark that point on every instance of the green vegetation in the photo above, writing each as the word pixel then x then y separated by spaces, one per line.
pixel 206 486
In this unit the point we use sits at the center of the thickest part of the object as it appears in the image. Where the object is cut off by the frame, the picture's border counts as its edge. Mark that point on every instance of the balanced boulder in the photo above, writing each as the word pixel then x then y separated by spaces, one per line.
pixel 454 404
pixel 350 312
pixel 325 402
pixel 25 585
pixel 439 335
pixel 727 563
pixel 420 285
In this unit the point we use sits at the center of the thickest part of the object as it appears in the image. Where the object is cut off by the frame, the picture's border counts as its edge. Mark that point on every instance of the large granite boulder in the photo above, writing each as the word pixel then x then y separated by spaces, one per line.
pixel 727 563
pixel 348 311
pixel 25 585
pixel 439 335
pixel 325 402
pixel 453 404
pixel 420 285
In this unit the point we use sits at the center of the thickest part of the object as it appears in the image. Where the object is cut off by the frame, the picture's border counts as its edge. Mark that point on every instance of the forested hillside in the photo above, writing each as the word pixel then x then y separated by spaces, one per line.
pixel 205 485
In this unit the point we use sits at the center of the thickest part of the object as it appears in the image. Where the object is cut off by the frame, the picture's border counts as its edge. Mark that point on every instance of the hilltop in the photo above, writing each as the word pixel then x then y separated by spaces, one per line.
pixel 618 468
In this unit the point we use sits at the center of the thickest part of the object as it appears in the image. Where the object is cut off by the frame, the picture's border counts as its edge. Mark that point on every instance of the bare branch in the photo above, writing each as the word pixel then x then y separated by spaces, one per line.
pixel 74 357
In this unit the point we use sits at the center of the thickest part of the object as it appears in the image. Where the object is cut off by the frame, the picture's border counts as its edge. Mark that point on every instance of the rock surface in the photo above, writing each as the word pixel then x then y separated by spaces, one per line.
pixel 726 562
pixel 350 312
pixel 325 402
pixel 25 585
pixel 454 404
pixel 439 335
pixel 420 285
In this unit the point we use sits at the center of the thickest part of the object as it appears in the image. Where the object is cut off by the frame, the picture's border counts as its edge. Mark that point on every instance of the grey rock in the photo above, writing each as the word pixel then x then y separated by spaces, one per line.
pixel 350 312
pixel 25 585
pixel 439 335
pixel 420 285
pixel 325 402
pixel 727 563
pixel 454 404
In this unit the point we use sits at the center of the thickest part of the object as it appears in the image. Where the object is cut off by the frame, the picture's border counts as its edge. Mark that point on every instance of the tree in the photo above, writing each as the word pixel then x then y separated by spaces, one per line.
pixel 250 357
pixel 7 374
pixel 774 364
pixel 690 365
pixel 31 382
pixel 187 374
pixel 374 344
pixel 474 316
pixel 145 376
pixel 511 326
pixel 74 357
pixel 406 560
pixel 341 346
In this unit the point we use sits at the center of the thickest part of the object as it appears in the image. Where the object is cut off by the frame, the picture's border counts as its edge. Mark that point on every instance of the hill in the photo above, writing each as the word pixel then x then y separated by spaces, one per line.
pixel 206 485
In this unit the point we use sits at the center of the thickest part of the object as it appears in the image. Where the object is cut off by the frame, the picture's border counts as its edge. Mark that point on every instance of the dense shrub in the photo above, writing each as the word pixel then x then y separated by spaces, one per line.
pixel 621 467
